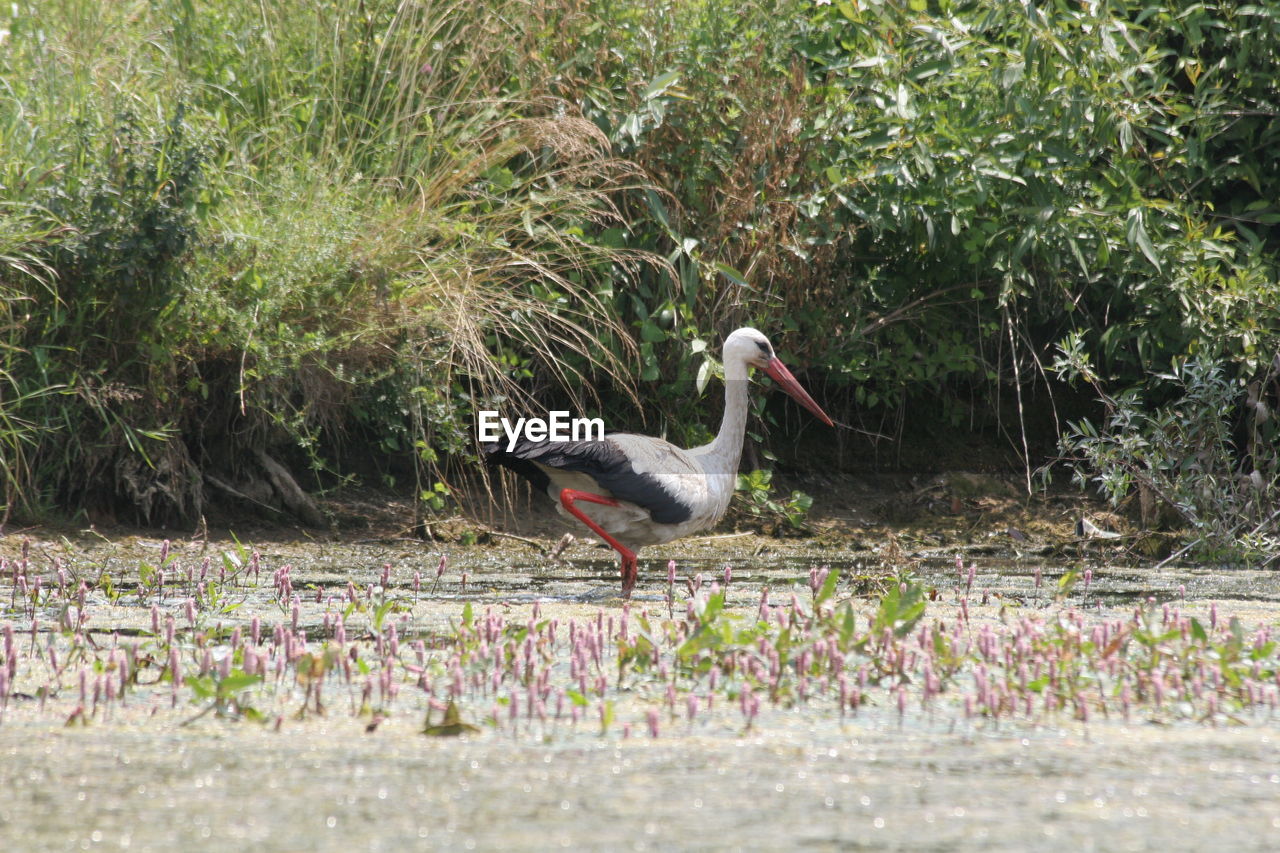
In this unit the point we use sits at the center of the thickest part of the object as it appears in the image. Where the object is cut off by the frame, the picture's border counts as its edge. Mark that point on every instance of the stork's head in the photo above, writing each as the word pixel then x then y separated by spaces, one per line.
pixel 753 348
pixel 750 347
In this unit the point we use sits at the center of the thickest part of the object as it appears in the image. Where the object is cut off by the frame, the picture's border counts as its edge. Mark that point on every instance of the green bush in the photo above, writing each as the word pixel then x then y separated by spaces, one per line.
pixel 1220 475
pixel 929 195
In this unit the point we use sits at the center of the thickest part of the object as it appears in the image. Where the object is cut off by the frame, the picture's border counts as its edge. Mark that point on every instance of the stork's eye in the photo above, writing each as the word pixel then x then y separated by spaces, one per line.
pixel 764 349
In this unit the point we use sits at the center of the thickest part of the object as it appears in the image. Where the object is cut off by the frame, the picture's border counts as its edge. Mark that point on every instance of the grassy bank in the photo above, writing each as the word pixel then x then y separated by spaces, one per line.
pixel 240 227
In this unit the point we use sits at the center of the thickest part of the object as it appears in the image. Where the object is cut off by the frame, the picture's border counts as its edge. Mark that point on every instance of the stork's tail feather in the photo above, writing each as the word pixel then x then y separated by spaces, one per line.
pixel 496 454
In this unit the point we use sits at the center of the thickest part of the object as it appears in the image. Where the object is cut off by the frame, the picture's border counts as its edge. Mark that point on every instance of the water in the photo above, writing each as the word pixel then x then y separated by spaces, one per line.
pixel 330 786
pixel 145 777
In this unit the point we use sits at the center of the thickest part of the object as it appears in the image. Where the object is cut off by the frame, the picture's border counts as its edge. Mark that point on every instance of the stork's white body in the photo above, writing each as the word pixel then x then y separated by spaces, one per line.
pixel 698 479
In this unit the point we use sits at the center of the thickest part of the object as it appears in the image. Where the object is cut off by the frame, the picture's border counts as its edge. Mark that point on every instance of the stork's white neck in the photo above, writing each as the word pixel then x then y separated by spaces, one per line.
pixel 726 450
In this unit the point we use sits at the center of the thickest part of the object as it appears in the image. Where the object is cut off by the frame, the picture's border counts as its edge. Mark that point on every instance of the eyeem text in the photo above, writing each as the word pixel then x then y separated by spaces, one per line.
pixel 557 426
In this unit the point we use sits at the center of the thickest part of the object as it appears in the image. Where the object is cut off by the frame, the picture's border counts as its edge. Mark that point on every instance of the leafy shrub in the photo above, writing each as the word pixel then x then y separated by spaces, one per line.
pixel 1221 477
pixel 929 195
pixel 755 501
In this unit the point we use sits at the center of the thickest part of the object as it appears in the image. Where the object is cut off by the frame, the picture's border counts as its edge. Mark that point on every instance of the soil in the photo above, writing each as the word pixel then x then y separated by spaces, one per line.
pixel 983 513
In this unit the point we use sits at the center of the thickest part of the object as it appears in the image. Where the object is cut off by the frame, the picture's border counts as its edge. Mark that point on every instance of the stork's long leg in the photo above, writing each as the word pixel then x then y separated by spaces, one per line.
pixel 630 567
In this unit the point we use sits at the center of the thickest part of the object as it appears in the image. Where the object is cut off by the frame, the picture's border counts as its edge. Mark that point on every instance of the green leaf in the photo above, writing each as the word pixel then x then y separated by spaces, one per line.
pixel 658 209
pixel 660 84
pixel 1137 233
pixel 848 625
pixel 381 614
pixel 652 333
pixel 704 375
pixel 914 605
pixel 733 275
pixel 253 714
pixel 606 717
pixel 203 686
pixel 1264 651
pixel 710 609
pixel 450 726
pixel 900 610
pixel 928 69
pixel 828 586
pixel 236 681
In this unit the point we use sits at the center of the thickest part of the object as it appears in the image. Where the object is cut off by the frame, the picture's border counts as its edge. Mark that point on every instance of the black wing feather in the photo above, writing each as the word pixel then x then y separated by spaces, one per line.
pixel 602 461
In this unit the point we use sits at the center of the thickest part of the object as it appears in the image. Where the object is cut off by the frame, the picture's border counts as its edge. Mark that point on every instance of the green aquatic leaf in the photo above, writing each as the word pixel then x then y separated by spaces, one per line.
pixel 828 586
pixel 451 726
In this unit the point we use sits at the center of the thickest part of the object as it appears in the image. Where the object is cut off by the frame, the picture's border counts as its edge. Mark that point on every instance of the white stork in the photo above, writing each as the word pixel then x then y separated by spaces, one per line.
pixel 644 490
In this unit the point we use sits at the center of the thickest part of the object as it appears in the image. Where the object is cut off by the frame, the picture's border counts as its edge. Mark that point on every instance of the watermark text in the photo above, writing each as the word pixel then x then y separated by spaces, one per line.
pixel 557 426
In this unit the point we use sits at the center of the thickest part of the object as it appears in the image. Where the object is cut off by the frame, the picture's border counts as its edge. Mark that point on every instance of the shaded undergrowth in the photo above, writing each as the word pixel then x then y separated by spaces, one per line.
pixel 188 642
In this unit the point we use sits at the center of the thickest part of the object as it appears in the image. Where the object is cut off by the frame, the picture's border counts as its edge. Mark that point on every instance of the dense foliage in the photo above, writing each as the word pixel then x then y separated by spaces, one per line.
pixel 335 226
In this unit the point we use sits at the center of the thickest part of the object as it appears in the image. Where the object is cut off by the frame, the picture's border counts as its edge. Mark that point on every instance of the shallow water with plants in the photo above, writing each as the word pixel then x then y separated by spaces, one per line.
pixel 394 693
pixel 254 255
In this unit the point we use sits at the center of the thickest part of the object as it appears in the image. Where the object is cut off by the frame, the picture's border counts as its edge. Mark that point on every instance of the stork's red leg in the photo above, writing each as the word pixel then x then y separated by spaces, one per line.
pixel 630 567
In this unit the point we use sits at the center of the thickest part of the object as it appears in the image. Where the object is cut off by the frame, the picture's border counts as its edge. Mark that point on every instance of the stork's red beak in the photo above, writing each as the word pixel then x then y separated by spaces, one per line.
pixel 778 371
